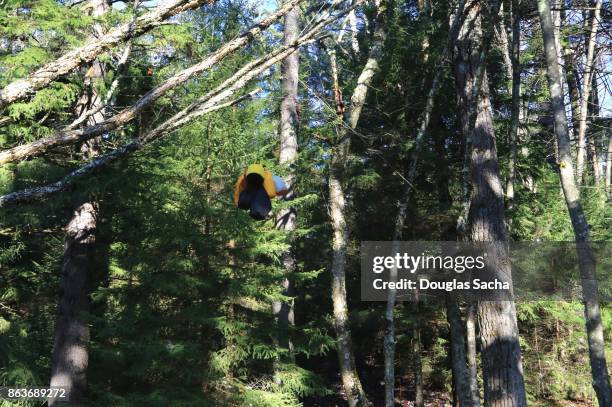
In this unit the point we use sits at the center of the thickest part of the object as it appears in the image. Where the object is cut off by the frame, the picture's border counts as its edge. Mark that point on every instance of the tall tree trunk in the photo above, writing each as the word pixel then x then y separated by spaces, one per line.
pixel 340 151
pixel 71 353
pixel 586 90
pixel 389 340
pixel 592 135
pixel 501 354
pixel 586 263
pixel 516 101
pixel 283 311
pixel 419 399
pixel 609 166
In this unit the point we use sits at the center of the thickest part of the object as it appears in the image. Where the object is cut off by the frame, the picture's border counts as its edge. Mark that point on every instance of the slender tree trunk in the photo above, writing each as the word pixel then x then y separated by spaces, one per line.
pixel 586 260
pixel 586 90
pixel 609 166
pixel 389 340
pixel 470 327
pixel 419 399
pixel 283 311
pixel 516 101
pixel 350 379
pixel 461 374
pixel 501 355
pixel 592 135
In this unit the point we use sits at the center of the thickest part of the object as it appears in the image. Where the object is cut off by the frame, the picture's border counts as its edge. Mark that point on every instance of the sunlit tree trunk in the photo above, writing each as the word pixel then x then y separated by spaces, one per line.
pixel 340 151
pixel 516 100
pixel 593 141
pixel 586 260
pixel 288 127
pixel 586 90
pixel 501 355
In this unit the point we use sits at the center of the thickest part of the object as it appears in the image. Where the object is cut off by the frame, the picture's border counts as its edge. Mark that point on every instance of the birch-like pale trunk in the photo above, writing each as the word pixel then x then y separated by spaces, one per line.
pixel 70 135
pixel 516 100
pixel 501 354
pixel 592 140
pixel 586 260
pixel 470 328
pixel 586 90
pixel 340 151
pixel 288 128
pixel 42 77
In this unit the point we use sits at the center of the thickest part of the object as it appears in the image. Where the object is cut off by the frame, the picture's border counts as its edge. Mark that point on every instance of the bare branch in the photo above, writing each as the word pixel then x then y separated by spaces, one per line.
pixel 21 88
pixel 70 135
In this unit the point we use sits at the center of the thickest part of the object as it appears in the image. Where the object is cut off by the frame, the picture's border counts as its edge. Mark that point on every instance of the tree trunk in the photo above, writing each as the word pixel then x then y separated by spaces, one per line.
pixel 516 101
pixel 350 379
pixel 609 166
pixel 21 88
pixel 586 90
pixel 592 135
pixel 461 374
pixel 70 351
pixel 289 121
pixel 419 399
pixel 389 340
pixel 470 325
pixel 210 102
pixel 501 355
pixel 586 263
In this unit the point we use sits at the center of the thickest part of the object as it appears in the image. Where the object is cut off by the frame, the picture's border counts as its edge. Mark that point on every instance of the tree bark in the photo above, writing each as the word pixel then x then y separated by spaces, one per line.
pixel 70 351
pixel 592 139
pixel 609 166
pixel 71 135
pixel 461 374
pixel 284 312
pixel 470 327
pixel 350 378
pixel 71 348
pixel 586 90
pixel 400 219
pixel 21 88
pixel 516 101
pixel 502 369
pixel 586 263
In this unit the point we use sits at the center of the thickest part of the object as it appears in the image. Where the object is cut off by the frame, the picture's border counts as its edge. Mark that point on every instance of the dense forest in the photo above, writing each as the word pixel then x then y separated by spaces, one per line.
pixel 129 276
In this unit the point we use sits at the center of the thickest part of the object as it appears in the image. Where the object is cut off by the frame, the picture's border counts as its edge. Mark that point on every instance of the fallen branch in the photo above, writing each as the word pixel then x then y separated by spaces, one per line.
pixel 36 193
pixel 70 135
pixel 21 88
pixel 208 103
